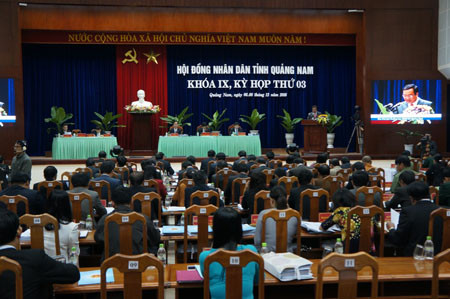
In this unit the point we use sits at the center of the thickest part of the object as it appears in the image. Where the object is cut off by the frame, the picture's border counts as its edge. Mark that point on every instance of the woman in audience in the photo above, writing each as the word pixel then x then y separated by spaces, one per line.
pixel 257 183
pixel 150 173
pixel 227 233
pixel 58 205
pixel 278 200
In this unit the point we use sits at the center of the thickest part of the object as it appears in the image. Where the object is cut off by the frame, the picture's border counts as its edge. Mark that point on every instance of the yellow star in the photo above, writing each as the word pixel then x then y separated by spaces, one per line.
pixel 152 56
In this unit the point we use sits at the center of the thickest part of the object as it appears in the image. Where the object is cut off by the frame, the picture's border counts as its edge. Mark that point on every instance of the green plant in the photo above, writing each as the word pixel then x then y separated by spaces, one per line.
pixel 289 123
pixel 254 119
pixel 107 121
pixel 408 135
pixel 58 117
pixel 333 121
pixel 216 121
pixel 180 118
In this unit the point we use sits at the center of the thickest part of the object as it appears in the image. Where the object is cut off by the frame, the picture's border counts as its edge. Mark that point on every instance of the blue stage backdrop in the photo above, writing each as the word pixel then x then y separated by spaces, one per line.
pixel 81 79
pixel 268 78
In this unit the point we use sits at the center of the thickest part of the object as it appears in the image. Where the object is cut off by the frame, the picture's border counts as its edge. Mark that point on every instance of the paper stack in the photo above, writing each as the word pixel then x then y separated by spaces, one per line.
pixel 287 266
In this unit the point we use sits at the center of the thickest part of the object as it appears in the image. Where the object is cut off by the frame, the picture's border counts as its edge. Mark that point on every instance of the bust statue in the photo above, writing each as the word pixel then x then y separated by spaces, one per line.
pixel 141 102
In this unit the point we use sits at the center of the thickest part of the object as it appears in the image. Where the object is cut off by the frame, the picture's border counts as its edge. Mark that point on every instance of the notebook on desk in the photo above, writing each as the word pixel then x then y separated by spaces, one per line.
pixel 190 275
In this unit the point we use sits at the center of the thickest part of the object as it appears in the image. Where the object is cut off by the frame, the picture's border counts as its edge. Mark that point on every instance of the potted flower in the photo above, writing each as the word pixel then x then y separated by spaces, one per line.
pixel 409 135
pixel 58 117
pixel 289 124
pixel 216 121
pixel 253 120
pixel 107 122
pixel 180 118
pixel 331 122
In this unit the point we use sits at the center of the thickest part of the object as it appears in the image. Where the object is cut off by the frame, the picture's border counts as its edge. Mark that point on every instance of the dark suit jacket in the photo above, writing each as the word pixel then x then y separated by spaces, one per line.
pixel 444 195
pixel 204 164
pixel 137 204
pixel 39 272
pixel 400 197
pixel 294 200
pixel 196 201
pixel 178 130
pixel 113 183
pixel 435 174
pixel 95 171
pixel 167 166
pixel 412 228
pixel 248 200
pixel 231 130
pixel 36 203
pixel 229 190
pixel 207 130
pixel 235 164
pixel 153 236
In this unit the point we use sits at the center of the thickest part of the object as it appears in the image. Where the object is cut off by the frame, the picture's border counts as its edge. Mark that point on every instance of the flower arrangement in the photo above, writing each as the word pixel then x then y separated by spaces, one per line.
pixel 330 121
pixel 135 109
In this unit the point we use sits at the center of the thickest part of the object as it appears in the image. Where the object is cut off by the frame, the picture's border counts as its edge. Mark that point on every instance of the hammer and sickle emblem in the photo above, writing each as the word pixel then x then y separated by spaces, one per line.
pixel 132 57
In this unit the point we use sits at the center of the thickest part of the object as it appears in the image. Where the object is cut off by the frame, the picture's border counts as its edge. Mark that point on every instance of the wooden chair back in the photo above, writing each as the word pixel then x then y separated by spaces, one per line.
pixel 49 186
pixel 181 191
pixel 365 215
pixel 314 196
pixel 434 194
pixel 7 264
pixel 417 164
pixel 12 201
pixel 378 170
pixel 420 177
pixel 242 182
pixel 205 197
pixel 36 224
pixel 345 173
pixel 347 265
pixel 275 163
pixel 125 223
pixel 269 173
pixel 289 166
pixel 187 182
pixel 68 175
pixel 254 166
pixel 225 173
pixel 209 166
pixel 233 262
pixel 160 164
pixel 124 172
pixel 1 184
pixel 76 200
pixel 202 213
pixel 281 217
pixel 98 186
pixel 376 180
pixel 288 182
pixel 437 261
pixel 263 195
pixel 151 184
pixel 132 267
pixel 369 195
pixel 85 170
pixel 146 200
pixel 335 183
pixel 445 216
pixel 98 164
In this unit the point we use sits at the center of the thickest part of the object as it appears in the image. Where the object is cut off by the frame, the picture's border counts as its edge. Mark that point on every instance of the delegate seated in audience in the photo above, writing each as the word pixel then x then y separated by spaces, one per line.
pixel 151 173
pixel 402 163
pixel 167 167
pixel 257 183
pixel 355 167
pixel 191 159
pixel 360 179
pixel 50 174
pixel 184 166
pixel 412 227
pixel 199 185
pixel 212 169
pixel 262 165
pixel 345 163
pixel 335 166
pixel 121 198
pixel 277 174
pixel 4 172
pixel 20 183
pixel 304 176
pixel 444 189
pixel 401 197
pixel 122 162
pixel 39 271
pixel 435 174
pixel 58 205
pixel 204 163
pixel 242 170
pixel 278 201
pixel 136 186
pixel 227 234
pixel 320 159
pixel 270 156
pixel 251 160
pixel 90 163
pixel 101 156
pixel 80 183
pixel 242 157
pixel 323 171
pixel 106 170
pixel 367 160
pixel 217 179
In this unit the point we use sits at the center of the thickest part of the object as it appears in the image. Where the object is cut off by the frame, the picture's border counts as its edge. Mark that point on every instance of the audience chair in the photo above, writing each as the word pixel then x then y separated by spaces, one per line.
pixel 437 261
pixel 68 175
pixel 335 183
pixel 85 170
pixel 289 166
pixel 180 191
pixel 132 165
pixel 281 217
pixel 254 166
pixel 49 186
pixel 12 201
pixel 209 166
pixel 160 164
pixel 132 267
pixel 36 224
pixel 263 195
pixel 345 173
pixel 369 195
pixel 7 264
pixel 274 164
pixel 202 213
pixel 125 223
pixel 1 184
pixel 421 177
pixel 378 181
pixel 314 196
pixel 378 170
pixel 205 197
pixel 269 173
pixel 347 266
pixel 76 200
pixel 225 173
pixel 289 182
pixel 98 187
pixel 152 184
pixel 98 164
pixel 146 200
pixel 365 215
pixel 122 171
pixel 233 262
pixel 444 214
pixel 240 183
pixel 434 194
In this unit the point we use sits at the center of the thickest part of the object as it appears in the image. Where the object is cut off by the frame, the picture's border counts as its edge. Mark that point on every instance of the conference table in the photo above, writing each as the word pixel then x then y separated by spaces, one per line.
pixel 68 148
pixel 199 146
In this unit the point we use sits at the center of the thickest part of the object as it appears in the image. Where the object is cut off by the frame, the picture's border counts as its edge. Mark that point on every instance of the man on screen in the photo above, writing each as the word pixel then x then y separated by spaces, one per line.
pixel 2 110
pixel 411 100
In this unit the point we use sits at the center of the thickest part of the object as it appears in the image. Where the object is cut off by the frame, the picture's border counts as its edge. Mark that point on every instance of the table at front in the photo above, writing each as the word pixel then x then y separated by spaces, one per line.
pixel 81 147
pixel 199 146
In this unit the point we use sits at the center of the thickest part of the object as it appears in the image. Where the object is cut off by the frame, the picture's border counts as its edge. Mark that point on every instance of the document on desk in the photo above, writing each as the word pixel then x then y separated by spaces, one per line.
pixel 287 266
pixel 174 209
pixel 314 227
pixel 395 217
pixel 93 277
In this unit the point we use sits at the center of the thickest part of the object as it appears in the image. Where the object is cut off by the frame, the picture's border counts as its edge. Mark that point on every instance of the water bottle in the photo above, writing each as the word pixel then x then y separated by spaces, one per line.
pixel 222 196
pixel 428 249
pixel 162 253
pixel 182 219
pixel 73 257
pixel 89 224
pixel 339 247
pixel 264 249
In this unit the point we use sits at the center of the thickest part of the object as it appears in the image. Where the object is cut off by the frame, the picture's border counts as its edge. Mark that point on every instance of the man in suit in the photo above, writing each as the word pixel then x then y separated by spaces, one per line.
pixel 39 271
pixel 122 162
pixel 50 174
pixel 323 172
pixel 204 128
pixel 136 186
pixel 242 157
pixel 345 163
pixel 80 182
pixel 199 185
pixel 184 166
pixel 444 189
pixel 335 166
pixel 411 99
pixel 20 183
pixel 262 165
pixel 167 167
pixel 121 199
pixel 21 161
pixel 235 129
pixel 412 228
pixel 360 179
pixel 216 179
pixel 90 163
pixel 204 163
pixel 212 169
pixel 242 170
pixel 101 156
pixel 314 114
pixel 176 129
pixel 401 196
pixel 106 171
